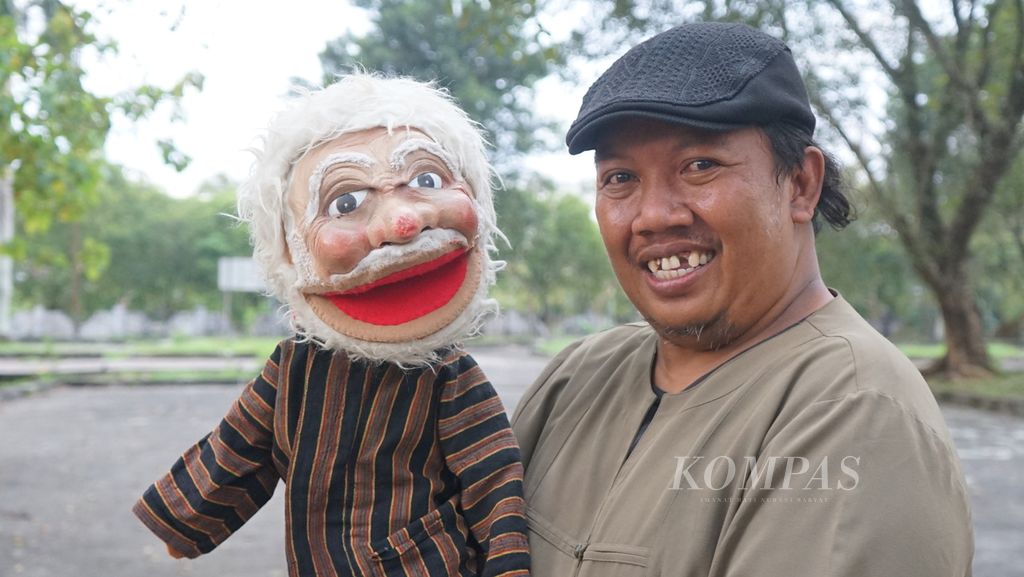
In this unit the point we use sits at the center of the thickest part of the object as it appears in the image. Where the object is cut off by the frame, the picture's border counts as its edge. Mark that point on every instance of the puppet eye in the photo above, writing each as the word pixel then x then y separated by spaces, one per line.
pixel 426 180
pixel 346 203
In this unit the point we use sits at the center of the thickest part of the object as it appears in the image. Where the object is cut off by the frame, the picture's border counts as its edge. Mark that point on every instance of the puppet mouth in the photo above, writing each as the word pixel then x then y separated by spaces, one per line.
pixel 405 295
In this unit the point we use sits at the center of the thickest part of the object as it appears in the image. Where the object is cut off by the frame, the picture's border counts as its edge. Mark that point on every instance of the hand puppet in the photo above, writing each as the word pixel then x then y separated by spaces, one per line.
pixel 371 215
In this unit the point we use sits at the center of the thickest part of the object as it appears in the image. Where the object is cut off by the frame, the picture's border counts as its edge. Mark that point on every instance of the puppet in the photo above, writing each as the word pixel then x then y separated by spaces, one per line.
pixel 371 216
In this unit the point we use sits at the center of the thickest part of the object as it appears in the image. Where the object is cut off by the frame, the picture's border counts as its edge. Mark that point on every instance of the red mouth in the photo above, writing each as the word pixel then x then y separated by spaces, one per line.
pixel 407 294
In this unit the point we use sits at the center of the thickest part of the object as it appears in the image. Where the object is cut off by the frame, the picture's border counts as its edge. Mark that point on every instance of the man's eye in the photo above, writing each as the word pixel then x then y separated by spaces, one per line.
pixel 618 178
pixel 346 203
pixel 426 180
pixel 699 165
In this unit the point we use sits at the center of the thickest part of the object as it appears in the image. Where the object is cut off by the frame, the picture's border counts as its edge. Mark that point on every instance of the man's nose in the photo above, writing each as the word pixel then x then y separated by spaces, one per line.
pixel 398 221
pixel 662 206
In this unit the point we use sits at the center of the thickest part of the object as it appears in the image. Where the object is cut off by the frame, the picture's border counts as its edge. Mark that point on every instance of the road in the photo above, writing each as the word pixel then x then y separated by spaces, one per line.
pixel 74 459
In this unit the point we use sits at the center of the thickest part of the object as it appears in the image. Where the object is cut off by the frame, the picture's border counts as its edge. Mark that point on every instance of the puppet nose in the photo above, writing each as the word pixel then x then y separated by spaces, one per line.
pixel 399 222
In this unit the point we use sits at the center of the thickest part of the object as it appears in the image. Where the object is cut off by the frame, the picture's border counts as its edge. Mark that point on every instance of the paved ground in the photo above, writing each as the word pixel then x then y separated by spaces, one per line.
pixel 73 460
pixel 991 448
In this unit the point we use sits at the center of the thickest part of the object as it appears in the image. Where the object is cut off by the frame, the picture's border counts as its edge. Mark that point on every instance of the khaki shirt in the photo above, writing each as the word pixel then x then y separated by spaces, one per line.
pixel 819 452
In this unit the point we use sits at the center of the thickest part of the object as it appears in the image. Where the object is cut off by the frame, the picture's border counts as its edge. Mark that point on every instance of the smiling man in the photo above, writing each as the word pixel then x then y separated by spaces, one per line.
pixel 371 215
pixel 755 424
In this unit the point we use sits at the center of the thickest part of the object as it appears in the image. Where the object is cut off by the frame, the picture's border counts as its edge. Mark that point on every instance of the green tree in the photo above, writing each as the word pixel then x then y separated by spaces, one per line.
pixel 159 253
pixel 934 158
pixel 488 55
pixel 999 246
pixel 868 266
pixel 52 130
pixel 556 264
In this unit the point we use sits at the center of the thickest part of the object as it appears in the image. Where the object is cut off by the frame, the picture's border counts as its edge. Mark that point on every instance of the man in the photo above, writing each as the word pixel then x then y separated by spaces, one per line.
pixel 371 216
pixel 755 424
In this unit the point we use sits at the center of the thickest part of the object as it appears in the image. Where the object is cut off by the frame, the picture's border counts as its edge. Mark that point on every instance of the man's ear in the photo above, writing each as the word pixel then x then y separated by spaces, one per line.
pixel 806 185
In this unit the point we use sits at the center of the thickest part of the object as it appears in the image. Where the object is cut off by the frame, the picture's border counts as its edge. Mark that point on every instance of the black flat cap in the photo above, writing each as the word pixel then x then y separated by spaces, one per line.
pixel 710 75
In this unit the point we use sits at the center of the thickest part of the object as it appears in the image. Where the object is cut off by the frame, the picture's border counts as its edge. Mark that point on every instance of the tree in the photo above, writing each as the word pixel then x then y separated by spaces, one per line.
pixel 52 130
pixel 556 264
pixel 934 158
pixel 159 254
pixel 488 55
pixel 958 104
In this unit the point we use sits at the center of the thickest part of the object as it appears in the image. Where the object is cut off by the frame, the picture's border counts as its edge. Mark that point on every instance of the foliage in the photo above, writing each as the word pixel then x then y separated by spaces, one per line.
pixel 999 256
pixel 160 252
pixel 556 264
pixel 956 107
pixel 52 133
pixel 866 265
pixel 934 158
pixel 488 55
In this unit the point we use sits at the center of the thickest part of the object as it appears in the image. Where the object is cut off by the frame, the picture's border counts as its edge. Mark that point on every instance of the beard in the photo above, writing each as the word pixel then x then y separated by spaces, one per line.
pixel 710 335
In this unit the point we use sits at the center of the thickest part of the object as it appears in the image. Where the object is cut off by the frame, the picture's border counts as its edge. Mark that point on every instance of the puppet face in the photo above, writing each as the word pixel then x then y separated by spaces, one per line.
pixel 382 231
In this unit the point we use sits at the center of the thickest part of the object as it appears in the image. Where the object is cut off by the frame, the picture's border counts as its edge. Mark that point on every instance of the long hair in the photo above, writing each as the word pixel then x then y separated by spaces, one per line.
pixel 788 143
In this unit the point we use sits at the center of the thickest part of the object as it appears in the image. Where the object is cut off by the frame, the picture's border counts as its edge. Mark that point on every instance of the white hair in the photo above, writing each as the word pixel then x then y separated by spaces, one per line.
pixel 358 102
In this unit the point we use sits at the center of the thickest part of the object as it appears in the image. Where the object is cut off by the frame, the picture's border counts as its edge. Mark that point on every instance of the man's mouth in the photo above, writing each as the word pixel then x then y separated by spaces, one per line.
pixel 405 295
pixel 679 265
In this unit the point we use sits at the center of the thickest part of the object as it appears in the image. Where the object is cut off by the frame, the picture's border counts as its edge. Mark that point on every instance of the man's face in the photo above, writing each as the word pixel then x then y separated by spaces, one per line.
pixel 697 227
pixel 383 235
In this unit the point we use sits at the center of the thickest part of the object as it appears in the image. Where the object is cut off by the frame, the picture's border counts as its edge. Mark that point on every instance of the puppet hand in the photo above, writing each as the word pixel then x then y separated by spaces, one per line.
pixel 175 553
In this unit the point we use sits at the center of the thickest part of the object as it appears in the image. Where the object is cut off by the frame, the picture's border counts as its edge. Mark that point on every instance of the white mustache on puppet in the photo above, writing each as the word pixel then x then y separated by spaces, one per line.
pixel 388 259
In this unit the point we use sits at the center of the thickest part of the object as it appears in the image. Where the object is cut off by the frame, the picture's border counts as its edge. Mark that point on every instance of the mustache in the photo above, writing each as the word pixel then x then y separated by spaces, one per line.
pixel 386 258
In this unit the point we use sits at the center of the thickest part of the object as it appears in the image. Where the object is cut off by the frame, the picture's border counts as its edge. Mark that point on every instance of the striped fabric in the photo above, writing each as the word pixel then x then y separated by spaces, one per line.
pixel 387 471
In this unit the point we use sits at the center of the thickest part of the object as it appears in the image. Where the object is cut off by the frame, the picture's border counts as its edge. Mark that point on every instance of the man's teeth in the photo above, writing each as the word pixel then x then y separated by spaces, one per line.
pixel 676 266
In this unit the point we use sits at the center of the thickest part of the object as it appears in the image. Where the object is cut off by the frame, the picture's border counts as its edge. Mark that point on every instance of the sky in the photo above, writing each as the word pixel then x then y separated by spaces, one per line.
pixel 248 52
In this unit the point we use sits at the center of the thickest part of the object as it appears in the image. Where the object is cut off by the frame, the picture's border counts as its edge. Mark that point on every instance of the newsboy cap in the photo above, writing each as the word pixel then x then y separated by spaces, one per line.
pixel 710 75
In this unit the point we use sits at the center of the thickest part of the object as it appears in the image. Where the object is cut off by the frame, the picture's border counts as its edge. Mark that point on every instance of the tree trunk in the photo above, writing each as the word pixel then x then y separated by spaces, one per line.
pixel 966 353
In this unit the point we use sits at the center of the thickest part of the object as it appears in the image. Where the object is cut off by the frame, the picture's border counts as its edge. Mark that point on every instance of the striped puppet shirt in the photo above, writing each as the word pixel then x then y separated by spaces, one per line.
pixel 387 471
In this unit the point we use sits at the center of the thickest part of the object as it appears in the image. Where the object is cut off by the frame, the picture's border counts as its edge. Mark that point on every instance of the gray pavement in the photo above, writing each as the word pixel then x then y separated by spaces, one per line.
pixel 74 459
pixel 991 449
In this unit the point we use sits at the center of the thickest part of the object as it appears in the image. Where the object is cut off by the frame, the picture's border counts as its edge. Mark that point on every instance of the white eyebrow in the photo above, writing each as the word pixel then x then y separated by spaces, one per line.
pixel 316 179
pixel 429 146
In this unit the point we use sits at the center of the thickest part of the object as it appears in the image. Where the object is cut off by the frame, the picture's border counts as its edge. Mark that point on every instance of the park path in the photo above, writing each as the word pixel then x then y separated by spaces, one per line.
pixel 74 459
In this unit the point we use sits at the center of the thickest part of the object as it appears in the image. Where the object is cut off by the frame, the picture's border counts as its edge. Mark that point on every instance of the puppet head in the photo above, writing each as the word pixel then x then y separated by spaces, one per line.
pixel 371 216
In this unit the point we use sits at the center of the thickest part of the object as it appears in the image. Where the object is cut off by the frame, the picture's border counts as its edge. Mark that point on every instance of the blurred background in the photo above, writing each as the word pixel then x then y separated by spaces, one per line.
pixel 125 128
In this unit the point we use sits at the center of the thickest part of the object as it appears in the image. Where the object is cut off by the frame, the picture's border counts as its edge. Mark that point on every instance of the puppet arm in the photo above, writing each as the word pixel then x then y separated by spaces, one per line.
pixel 219 483
pixel 480 449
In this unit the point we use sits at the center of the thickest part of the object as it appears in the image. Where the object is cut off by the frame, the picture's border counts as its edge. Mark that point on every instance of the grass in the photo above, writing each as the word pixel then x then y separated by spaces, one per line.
pixel 997 386
pixel 259 347
pixel 47 349
pixel 998 351
pixel 172 376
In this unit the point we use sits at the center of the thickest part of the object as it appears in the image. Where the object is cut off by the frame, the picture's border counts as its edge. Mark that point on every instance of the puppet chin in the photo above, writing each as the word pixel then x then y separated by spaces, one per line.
pixel 404 322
